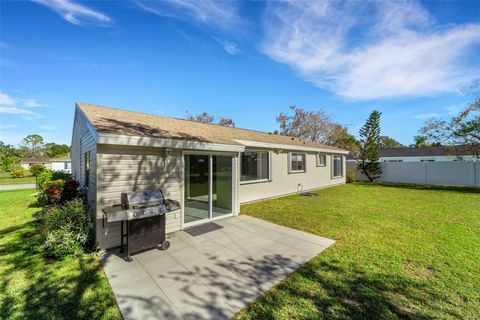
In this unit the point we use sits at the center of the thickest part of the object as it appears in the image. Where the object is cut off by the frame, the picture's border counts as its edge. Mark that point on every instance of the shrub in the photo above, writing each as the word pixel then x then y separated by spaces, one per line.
pixel 351 176
pixel 67 229
pixel 51 193
pixel 36 169
pixel 17 173
pixel 44 178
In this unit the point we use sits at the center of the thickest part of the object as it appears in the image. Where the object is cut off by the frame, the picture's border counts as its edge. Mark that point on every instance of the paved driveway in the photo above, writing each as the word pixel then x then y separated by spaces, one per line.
pixel 209 276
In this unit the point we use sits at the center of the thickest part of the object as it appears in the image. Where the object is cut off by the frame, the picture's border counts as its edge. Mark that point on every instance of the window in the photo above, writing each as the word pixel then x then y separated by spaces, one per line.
pixel 254 165
pixel 87 169
pixel 337 167
pixel 321 160
pixel 297 162
pixel 65 166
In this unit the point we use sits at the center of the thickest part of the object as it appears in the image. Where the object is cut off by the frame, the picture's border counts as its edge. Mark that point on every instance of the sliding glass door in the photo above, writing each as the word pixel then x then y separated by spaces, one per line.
pixel 208 187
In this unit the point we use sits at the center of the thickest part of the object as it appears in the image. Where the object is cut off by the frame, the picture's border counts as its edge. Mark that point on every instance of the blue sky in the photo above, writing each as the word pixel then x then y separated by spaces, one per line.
pixel 243 60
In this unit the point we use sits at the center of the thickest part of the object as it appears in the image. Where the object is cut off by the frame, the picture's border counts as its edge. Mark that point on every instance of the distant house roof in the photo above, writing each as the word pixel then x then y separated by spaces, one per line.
pixel 34 160
pixel 61 159
pixel 122 122
pixel 421 152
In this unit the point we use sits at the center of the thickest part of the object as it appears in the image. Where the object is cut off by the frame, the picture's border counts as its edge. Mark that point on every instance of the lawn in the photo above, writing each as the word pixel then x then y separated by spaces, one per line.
pixel 32 287
pixel 402 251
pixel 6 178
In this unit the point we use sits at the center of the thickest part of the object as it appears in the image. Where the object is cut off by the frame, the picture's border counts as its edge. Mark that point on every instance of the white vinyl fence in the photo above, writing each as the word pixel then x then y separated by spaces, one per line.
pixel 465 173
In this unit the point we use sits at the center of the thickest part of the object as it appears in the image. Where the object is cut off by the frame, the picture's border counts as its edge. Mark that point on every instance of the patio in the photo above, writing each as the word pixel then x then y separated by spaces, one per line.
pixel 211 275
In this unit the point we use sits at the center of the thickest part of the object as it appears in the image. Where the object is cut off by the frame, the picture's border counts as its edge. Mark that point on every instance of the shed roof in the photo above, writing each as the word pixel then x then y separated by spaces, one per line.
pixel 123 122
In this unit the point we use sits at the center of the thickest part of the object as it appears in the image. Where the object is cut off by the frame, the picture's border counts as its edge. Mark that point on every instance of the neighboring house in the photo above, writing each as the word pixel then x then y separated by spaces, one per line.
pixel 61 164
pixel 25 163
pixel 210 169
pixel 430 154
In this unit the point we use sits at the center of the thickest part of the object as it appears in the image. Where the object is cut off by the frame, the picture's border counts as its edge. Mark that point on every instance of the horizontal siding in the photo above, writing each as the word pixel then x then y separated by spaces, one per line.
pixel 124 169
pixel 283 182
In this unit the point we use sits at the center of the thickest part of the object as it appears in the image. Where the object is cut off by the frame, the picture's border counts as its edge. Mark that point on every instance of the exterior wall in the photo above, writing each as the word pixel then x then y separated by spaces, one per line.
pixel 60 166
pixel 84 140
pixel 465 173
pixel 282 182
pixel 126 168
pixel 26 166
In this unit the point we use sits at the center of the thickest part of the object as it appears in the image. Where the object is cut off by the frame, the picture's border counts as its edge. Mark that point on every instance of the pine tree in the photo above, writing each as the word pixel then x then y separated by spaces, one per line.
pixel 369 145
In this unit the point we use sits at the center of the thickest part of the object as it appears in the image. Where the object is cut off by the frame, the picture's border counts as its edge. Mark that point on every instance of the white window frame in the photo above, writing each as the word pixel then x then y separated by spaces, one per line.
pixel 290 162
pixel 318 160
pixel 268 179
pixel 333 167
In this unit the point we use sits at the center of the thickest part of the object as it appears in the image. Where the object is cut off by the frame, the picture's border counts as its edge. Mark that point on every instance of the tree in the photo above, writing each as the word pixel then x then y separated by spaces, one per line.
pixel 341 138
pixel 53 150
pixel 9 156
pixel 387 142
pixel 461 130
pixel 32 145
pixel 202 117
pixel 369 145
pixel 313 126
pixel 36 169
pixel 225 122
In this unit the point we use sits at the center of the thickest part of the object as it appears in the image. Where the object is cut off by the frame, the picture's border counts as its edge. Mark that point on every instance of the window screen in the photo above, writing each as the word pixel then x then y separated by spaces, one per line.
pixel 87 168
pixel 321 160
pixel 337 166
pixel 254 165
pixel 297 162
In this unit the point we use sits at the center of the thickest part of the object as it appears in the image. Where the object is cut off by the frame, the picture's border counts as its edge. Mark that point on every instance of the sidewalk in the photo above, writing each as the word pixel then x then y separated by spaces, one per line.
pixel 17 186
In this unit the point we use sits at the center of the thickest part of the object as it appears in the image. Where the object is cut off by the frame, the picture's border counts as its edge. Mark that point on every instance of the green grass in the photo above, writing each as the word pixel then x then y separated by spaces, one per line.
pixel 32 287
pixel 6 178
pixel 402 251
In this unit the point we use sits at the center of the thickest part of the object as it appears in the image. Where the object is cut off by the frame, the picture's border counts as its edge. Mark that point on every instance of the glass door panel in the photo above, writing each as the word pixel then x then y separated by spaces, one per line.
pixel 221 185
pixel 196 188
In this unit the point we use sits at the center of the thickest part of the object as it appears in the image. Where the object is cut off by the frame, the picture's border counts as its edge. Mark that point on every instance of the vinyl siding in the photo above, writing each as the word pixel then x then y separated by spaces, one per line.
pixel 84 140
pixel 283 183
pixel 126 168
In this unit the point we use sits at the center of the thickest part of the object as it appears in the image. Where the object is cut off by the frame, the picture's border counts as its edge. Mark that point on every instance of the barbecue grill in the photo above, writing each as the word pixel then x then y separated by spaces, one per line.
pixel 143 213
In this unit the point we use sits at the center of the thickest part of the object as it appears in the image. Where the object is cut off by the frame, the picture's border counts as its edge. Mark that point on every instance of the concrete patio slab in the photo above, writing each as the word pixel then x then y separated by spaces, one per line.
pixel 209 276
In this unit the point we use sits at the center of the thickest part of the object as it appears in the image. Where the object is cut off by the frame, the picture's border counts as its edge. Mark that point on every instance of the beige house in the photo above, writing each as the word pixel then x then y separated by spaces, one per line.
pixel 210 169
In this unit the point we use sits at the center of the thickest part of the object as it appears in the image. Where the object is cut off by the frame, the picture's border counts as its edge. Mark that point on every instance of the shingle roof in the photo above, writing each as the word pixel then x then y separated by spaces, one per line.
pixel 123 122
pixel 420 152
pixel 34 160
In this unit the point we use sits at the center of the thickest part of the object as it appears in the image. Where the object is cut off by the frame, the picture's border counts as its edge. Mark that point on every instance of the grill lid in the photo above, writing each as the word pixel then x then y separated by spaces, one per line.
pixel 142 199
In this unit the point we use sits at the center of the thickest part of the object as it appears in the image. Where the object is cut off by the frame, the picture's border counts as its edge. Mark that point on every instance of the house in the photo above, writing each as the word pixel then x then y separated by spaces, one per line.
pixel 61 164
pixel 426 154
pixel 210 169
pixel 25 163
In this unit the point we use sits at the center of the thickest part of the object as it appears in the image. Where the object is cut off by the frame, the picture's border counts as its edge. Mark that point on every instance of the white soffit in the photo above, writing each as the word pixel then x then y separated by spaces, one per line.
pixel 257 144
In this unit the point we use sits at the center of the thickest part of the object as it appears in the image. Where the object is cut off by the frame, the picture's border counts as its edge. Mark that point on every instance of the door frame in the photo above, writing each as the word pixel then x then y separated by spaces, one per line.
pixel 210 218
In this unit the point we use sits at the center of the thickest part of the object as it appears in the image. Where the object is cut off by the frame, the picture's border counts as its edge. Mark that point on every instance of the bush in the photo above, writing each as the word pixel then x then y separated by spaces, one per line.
pixel 17 173
pixel 351 176
pixel 43 178
pixel 36 169
pixel 67 229
pixel 48 175
pixel 56 187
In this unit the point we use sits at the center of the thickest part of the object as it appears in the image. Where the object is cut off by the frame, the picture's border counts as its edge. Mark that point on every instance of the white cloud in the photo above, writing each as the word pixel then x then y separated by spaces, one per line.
pixel 31 103
pixel 425 116
pixel 75 13
pixel 213 13
pixel 367 50
pixel 6 100
pixel 8 105
pixel 19 111
pixel 228 46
